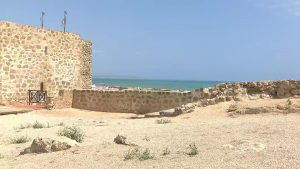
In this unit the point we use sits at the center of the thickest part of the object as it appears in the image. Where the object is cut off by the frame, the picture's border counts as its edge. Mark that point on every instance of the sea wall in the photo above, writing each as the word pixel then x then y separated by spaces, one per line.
pixel 150 101
pixel 30 56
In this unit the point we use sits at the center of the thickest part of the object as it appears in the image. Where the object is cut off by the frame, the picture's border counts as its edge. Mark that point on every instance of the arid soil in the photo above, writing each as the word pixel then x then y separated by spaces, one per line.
pixel 263 140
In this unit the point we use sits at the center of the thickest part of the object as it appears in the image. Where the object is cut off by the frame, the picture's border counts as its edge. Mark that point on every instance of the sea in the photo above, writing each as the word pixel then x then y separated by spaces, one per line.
pixel 154 84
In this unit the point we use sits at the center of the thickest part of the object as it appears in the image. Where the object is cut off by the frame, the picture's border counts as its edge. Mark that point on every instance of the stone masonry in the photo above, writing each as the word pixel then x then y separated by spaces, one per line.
pixel 30 56
pixel 141 102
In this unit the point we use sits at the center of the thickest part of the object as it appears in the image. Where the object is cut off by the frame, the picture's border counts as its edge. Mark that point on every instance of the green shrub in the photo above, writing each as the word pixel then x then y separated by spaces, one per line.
pixel 163 121
pixel 166 151
pixel 24 126
pixel 193 150
pixel 146 155
pixel 73 133
pixel 135 153
pixel 61 124
pixel 19 140
pixel 38 125
pixel 289 102
pixel 131 154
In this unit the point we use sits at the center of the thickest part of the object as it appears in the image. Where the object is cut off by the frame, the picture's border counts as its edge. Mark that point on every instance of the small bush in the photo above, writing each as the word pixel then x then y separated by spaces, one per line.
pixel 19 140
pixel 135 153
pixel 131 154
pixel 166 151
pixel 1 156
pixel 146 155
pixel 61 124
pixel 193 150
pixel 38 125
pixel 24 126
pixel 73 133
pixel 146 138
pixel 289 102
pixel 163 121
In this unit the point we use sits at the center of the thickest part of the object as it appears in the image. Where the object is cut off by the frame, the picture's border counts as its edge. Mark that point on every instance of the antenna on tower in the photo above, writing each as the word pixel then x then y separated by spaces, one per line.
pixel 42 19
pixel 64 21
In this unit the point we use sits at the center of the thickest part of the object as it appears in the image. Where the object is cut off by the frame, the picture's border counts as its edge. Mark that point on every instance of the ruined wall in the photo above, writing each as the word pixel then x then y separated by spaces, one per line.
pixel 150 101
pixel 129 101
pixel 30 55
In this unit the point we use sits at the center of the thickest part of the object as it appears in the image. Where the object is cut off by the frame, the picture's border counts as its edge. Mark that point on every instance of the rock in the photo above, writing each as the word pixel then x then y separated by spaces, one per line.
pixel 211 101
pixel 187 108
pixel 283 89
pixel 295 91
pixel 169 112
pixel 232 107
pixel 253 110
pixel 240 97
pixel 280 107
pixel 220 99
pixel 41 145
pixel 229 98
pixel 120 139
pixel 58 146
pixel 153 114
pixel 46 145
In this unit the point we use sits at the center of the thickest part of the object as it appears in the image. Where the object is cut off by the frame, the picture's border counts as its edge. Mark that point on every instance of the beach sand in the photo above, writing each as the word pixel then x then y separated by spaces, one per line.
pixel 268 140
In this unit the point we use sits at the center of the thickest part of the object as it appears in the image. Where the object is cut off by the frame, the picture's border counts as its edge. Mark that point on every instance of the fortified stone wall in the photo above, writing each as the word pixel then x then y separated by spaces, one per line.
pixel 128 101
pixel 30 56
pixel 150 101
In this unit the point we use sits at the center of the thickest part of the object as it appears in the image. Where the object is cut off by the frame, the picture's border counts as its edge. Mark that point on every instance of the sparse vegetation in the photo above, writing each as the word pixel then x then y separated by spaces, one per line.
pixel 61 124
pixel 146 138
pixel 193 150
pixel 131 154
pixel 24 126
pixel 1 156
pixel 37 125
pixel 287 106
pixel 73 133
pixel 19 140
pixel 289 102
pixel 166 151
pixel 146 155
pixel 163 121
pixel 135 153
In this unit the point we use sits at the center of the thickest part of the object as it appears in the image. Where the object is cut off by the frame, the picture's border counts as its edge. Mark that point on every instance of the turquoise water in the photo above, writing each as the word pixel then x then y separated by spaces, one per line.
pixel 157 84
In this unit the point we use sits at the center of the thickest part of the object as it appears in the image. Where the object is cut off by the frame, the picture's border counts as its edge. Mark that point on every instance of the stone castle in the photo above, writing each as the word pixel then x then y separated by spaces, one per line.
pixel 30 56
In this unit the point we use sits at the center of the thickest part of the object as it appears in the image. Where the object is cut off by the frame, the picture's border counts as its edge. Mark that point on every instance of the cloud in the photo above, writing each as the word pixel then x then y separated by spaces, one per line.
pixel 292 6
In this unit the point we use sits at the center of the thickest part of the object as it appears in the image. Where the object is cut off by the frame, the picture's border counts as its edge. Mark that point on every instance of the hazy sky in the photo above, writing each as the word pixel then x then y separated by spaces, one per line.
pixel 178 39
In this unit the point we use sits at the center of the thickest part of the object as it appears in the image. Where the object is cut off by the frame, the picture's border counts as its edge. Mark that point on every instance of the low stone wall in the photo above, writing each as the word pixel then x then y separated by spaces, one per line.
pixel 129 101
pixel 236 91
pixel 150 101
pixel 64 100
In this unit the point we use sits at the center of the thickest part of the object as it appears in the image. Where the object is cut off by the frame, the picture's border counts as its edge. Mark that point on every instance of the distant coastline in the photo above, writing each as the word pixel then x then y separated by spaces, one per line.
pixel 136 83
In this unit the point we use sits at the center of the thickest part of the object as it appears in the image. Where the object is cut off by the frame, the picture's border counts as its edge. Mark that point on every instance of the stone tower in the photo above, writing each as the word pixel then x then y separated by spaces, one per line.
pixel 30 56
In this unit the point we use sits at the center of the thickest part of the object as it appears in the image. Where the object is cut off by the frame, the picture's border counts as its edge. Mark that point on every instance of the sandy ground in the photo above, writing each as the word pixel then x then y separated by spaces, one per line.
pixel 269 140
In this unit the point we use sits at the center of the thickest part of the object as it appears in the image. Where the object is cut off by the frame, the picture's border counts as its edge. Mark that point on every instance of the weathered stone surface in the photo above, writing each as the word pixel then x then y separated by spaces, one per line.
pixel 30 55
pixel 143 102
pixel 46 145
pixel 120 139
pixel 232 107
pixel 169 112
pixel 295 91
